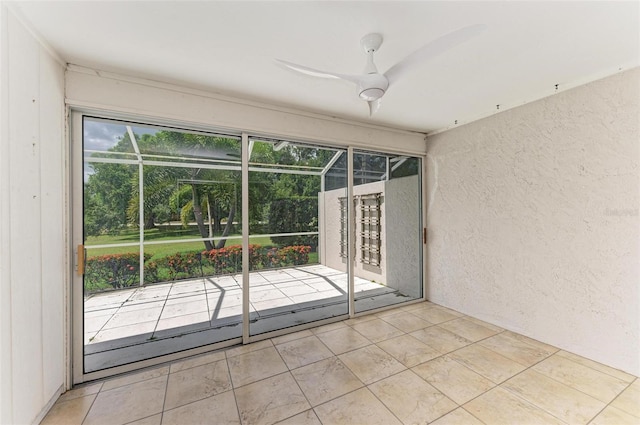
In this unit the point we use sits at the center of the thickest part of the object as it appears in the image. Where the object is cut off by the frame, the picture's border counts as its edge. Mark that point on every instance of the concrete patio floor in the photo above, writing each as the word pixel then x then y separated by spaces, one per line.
pixel 131 317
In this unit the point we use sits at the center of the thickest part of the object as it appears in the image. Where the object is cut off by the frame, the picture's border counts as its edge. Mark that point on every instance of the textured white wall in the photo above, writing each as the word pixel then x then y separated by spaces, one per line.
pixel 403 236
pixel 32 224
pixel 533 220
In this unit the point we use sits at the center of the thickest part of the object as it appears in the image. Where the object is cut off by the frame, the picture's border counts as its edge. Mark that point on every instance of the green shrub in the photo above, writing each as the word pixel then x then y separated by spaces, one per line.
pixel 112 271
pixel 293 215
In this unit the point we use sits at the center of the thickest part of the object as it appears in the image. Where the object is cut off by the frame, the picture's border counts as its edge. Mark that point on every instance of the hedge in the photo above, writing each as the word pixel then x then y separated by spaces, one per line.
pixel 122 270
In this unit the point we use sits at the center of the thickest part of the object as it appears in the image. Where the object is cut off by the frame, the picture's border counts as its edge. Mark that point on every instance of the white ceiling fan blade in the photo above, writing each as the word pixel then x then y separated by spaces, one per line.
pixel 374 105
pixel 317 73
pixel 432 49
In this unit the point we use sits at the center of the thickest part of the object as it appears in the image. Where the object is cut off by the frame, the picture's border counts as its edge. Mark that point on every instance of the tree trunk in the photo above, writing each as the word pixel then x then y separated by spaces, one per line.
pixel 197 211
pixel 227 228
pixel 149 224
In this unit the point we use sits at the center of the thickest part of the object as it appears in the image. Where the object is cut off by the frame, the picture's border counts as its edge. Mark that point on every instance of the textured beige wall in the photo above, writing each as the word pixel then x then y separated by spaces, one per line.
pixel 533 220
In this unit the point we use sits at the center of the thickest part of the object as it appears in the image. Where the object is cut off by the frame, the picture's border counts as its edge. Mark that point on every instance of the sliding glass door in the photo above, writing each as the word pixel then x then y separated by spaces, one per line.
pixel 290 281
pixel 160 225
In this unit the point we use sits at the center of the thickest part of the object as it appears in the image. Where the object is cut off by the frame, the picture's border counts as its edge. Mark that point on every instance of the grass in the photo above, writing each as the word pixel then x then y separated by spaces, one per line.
pixel 162 250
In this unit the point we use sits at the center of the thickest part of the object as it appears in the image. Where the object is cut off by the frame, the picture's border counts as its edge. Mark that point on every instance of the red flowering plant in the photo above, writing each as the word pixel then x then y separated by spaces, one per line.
pixel 296 254
pixel 112 271
pixel 182 265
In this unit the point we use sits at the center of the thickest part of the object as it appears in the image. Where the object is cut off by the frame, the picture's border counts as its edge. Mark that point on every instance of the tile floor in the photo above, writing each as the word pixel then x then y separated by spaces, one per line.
pixel 417 364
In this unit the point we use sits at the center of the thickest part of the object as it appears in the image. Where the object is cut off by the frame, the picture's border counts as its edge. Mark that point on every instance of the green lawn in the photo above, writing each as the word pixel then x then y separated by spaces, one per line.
pixel 161 250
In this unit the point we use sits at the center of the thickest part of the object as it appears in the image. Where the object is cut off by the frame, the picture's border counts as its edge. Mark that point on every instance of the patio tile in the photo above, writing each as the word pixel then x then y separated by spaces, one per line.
pixel 298 289
pixel 421 404
pixel 270 400
pixel 618 374
pixel 80 391
pixel 613 416
pixel 435 314
pixel 141 305
pixel 271 304
pixel 100 312
pixel 357 407
pixel 468 329
pixel 182 309
pixel 132 378
pixel 301 352
pixel 516 349
pixel 560 400
pixel 325 380
pixel 370 364
pixel 305 418
pixel 132 317
pixel 487 363
pixel 69 412
pixel 406 322
pixel 408 350
pixel 94 324
pixel 219 408
pixel 377 330
pixel 458 382
pixel 187 298
pixel 255 366
pixel 180 288
pixel 149 420
pixel 499 406
pixel 342 340
pixel 224 300
pixel 134 401
pixel 440 339
pixel 196 383
pixel 597 384
pixel 629 399
pixel 316 296
pixel 144 330
pixel 192 321
pixel 265 295
pixel 458 417
pixel 197 361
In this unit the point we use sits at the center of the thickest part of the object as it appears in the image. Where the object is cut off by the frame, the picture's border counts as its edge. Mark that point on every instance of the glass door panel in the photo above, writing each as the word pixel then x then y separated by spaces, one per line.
pixel 388 237
pixel 294 192
pixel 163 266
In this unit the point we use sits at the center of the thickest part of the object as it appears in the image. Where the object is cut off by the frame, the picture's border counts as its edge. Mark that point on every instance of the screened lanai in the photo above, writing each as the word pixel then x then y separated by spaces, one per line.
pixel 193 238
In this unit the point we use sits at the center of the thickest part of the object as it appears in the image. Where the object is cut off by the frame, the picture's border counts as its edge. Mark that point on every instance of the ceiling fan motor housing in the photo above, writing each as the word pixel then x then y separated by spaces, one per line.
pixel 372 86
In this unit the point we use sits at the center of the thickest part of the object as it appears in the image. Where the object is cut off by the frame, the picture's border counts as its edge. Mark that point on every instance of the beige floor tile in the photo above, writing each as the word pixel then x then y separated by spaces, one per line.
pixel 377 330
pixel 408 350
pixel 342 340
pixel 256 365
pixel 458 417
pixel 488 325
pixel 135 377
pixel 406 322
pixel 455 380
pixel 563 402
pixel 149 420
pixel 69 412
pixel 515 349
pixel 371 363
pixel 441 339
pixel 270 400
pixel 411 399
pixel 357 407
pixel 301 352
pixel 243 349
pixel 629 400
pixel 600 385
pixel 468 329
pixel 80 392
pixel 498 406
pixel 539 345
pixel 290 337
pixel 220 409
pixel 327 328
pixel 613 416
pixel 487 363
pixel 326 380
pixel 305 418
pixel 436 314
pixel 361 319
pixel 128 403
pixel 197 361
pixel 196 383
pixel 623 376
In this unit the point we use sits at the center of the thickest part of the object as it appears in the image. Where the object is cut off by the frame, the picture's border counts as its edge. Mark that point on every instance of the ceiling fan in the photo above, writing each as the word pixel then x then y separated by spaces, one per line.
pixel 371 85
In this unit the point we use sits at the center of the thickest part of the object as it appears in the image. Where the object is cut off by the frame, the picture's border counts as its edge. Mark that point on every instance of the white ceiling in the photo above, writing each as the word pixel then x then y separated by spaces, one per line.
pixel 229 48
